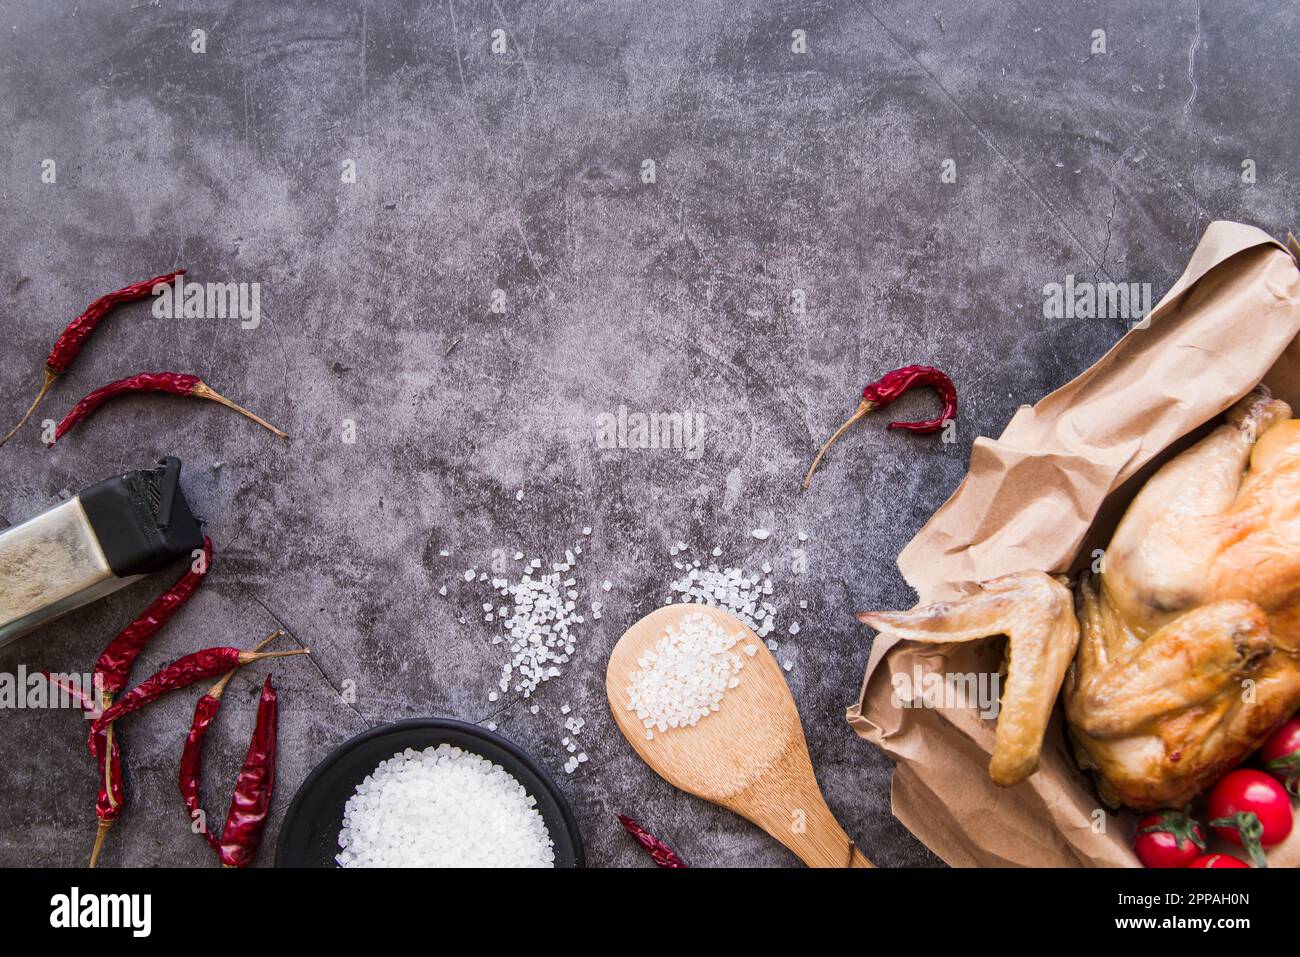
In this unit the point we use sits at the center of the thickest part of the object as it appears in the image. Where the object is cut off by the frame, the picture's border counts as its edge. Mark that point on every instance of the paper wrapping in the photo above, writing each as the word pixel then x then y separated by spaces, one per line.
pixel 1040 497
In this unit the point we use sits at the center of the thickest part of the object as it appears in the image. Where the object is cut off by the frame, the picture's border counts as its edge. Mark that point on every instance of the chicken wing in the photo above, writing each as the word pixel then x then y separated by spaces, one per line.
pixel 1036 613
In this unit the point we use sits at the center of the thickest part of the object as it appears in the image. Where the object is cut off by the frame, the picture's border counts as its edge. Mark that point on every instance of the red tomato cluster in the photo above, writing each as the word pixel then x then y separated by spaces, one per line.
pixel 1251 809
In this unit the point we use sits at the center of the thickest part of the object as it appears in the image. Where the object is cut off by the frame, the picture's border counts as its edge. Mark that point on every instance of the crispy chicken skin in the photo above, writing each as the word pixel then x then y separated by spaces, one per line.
pixel 1190 647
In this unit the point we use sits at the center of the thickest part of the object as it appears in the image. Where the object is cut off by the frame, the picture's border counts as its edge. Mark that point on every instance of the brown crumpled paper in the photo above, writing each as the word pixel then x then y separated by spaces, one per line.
pixel 1040 497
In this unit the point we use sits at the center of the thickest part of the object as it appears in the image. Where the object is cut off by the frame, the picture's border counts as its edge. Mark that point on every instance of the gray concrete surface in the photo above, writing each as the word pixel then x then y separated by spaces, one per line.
pixel 521 171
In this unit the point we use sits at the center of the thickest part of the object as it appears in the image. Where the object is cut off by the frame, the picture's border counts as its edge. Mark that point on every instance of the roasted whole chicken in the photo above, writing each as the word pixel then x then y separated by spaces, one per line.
pixel 1188 641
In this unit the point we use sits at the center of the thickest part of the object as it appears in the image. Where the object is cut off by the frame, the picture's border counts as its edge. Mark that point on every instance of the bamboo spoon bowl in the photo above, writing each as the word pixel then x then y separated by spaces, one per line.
pixel 749 756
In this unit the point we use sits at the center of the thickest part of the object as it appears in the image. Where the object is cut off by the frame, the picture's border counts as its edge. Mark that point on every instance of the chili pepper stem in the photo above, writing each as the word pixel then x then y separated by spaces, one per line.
pixel 108 756
pixel 105 826
pixel 218 689
pixel 49 381
pixel 248 657
pixel 205 391
pixel 864 407
pixel 100 833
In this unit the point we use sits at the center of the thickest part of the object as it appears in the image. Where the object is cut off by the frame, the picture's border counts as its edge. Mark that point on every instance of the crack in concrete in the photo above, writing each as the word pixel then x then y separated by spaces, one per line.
pixel 314 661
pixel 523 54
pixel 1191 61
pixel 1139 140
pixel 487 145
pixel 988 141
pixel 1110 218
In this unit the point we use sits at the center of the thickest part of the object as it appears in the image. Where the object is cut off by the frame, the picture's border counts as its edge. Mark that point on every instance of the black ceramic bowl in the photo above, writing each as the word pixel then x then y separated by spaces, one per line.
pixel 309 834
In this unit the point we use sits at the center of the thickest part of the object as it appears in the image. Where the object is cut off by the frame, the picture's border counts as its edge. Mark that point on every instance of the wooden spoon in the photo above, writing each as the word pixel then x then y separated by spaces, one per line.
pixel 749 756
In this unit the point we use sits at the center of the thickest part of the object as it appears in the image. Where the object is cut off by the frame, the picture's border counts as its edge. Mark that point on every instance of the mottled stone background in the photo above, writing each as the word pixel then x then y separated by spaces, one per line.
pixel 520 171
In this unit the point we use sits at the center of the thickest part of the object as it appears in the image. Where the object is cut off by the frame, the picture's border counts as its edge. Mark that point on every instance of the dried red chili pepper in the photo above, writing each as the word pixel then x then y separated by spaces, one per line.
pixel 182 673
pixel 114 664
pixel 253 790
pixel 112 671
pixel 112 793
pixel 205 710
pixel 191 762
pixel 888 388
pixel 70 342
pixel 659 852
pixel 176 383
pixel 109 800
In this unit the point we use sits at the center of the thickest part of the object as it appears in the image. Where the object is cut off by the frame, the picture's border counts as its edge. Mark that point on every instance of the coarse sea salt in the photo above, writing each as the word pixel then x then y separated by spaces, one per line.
pixel 442 807
pixel 734 589
pixel 685 676
pixel 538 624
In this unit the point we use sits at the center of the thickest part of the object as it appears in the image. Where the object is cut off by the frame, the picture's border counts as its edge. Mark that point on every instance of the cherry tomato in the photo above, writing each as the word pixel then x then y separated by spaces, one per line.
pixel 1281 755
pixel 1219 860
pixel 1168 839
pixel 1251 810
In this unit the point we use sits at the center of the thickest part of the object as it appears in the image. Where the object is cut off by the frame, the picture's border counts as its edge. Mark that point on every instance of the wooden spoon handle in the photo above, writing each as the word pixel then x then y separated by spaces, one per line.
pixel 788 805
pixel 824 844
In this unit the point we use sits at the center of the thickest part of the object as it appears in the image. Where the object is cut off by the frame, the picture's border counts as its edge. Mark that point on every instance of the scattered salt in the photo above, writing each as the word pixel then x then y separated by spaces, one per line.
pixel 734 589
pixel 538 624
